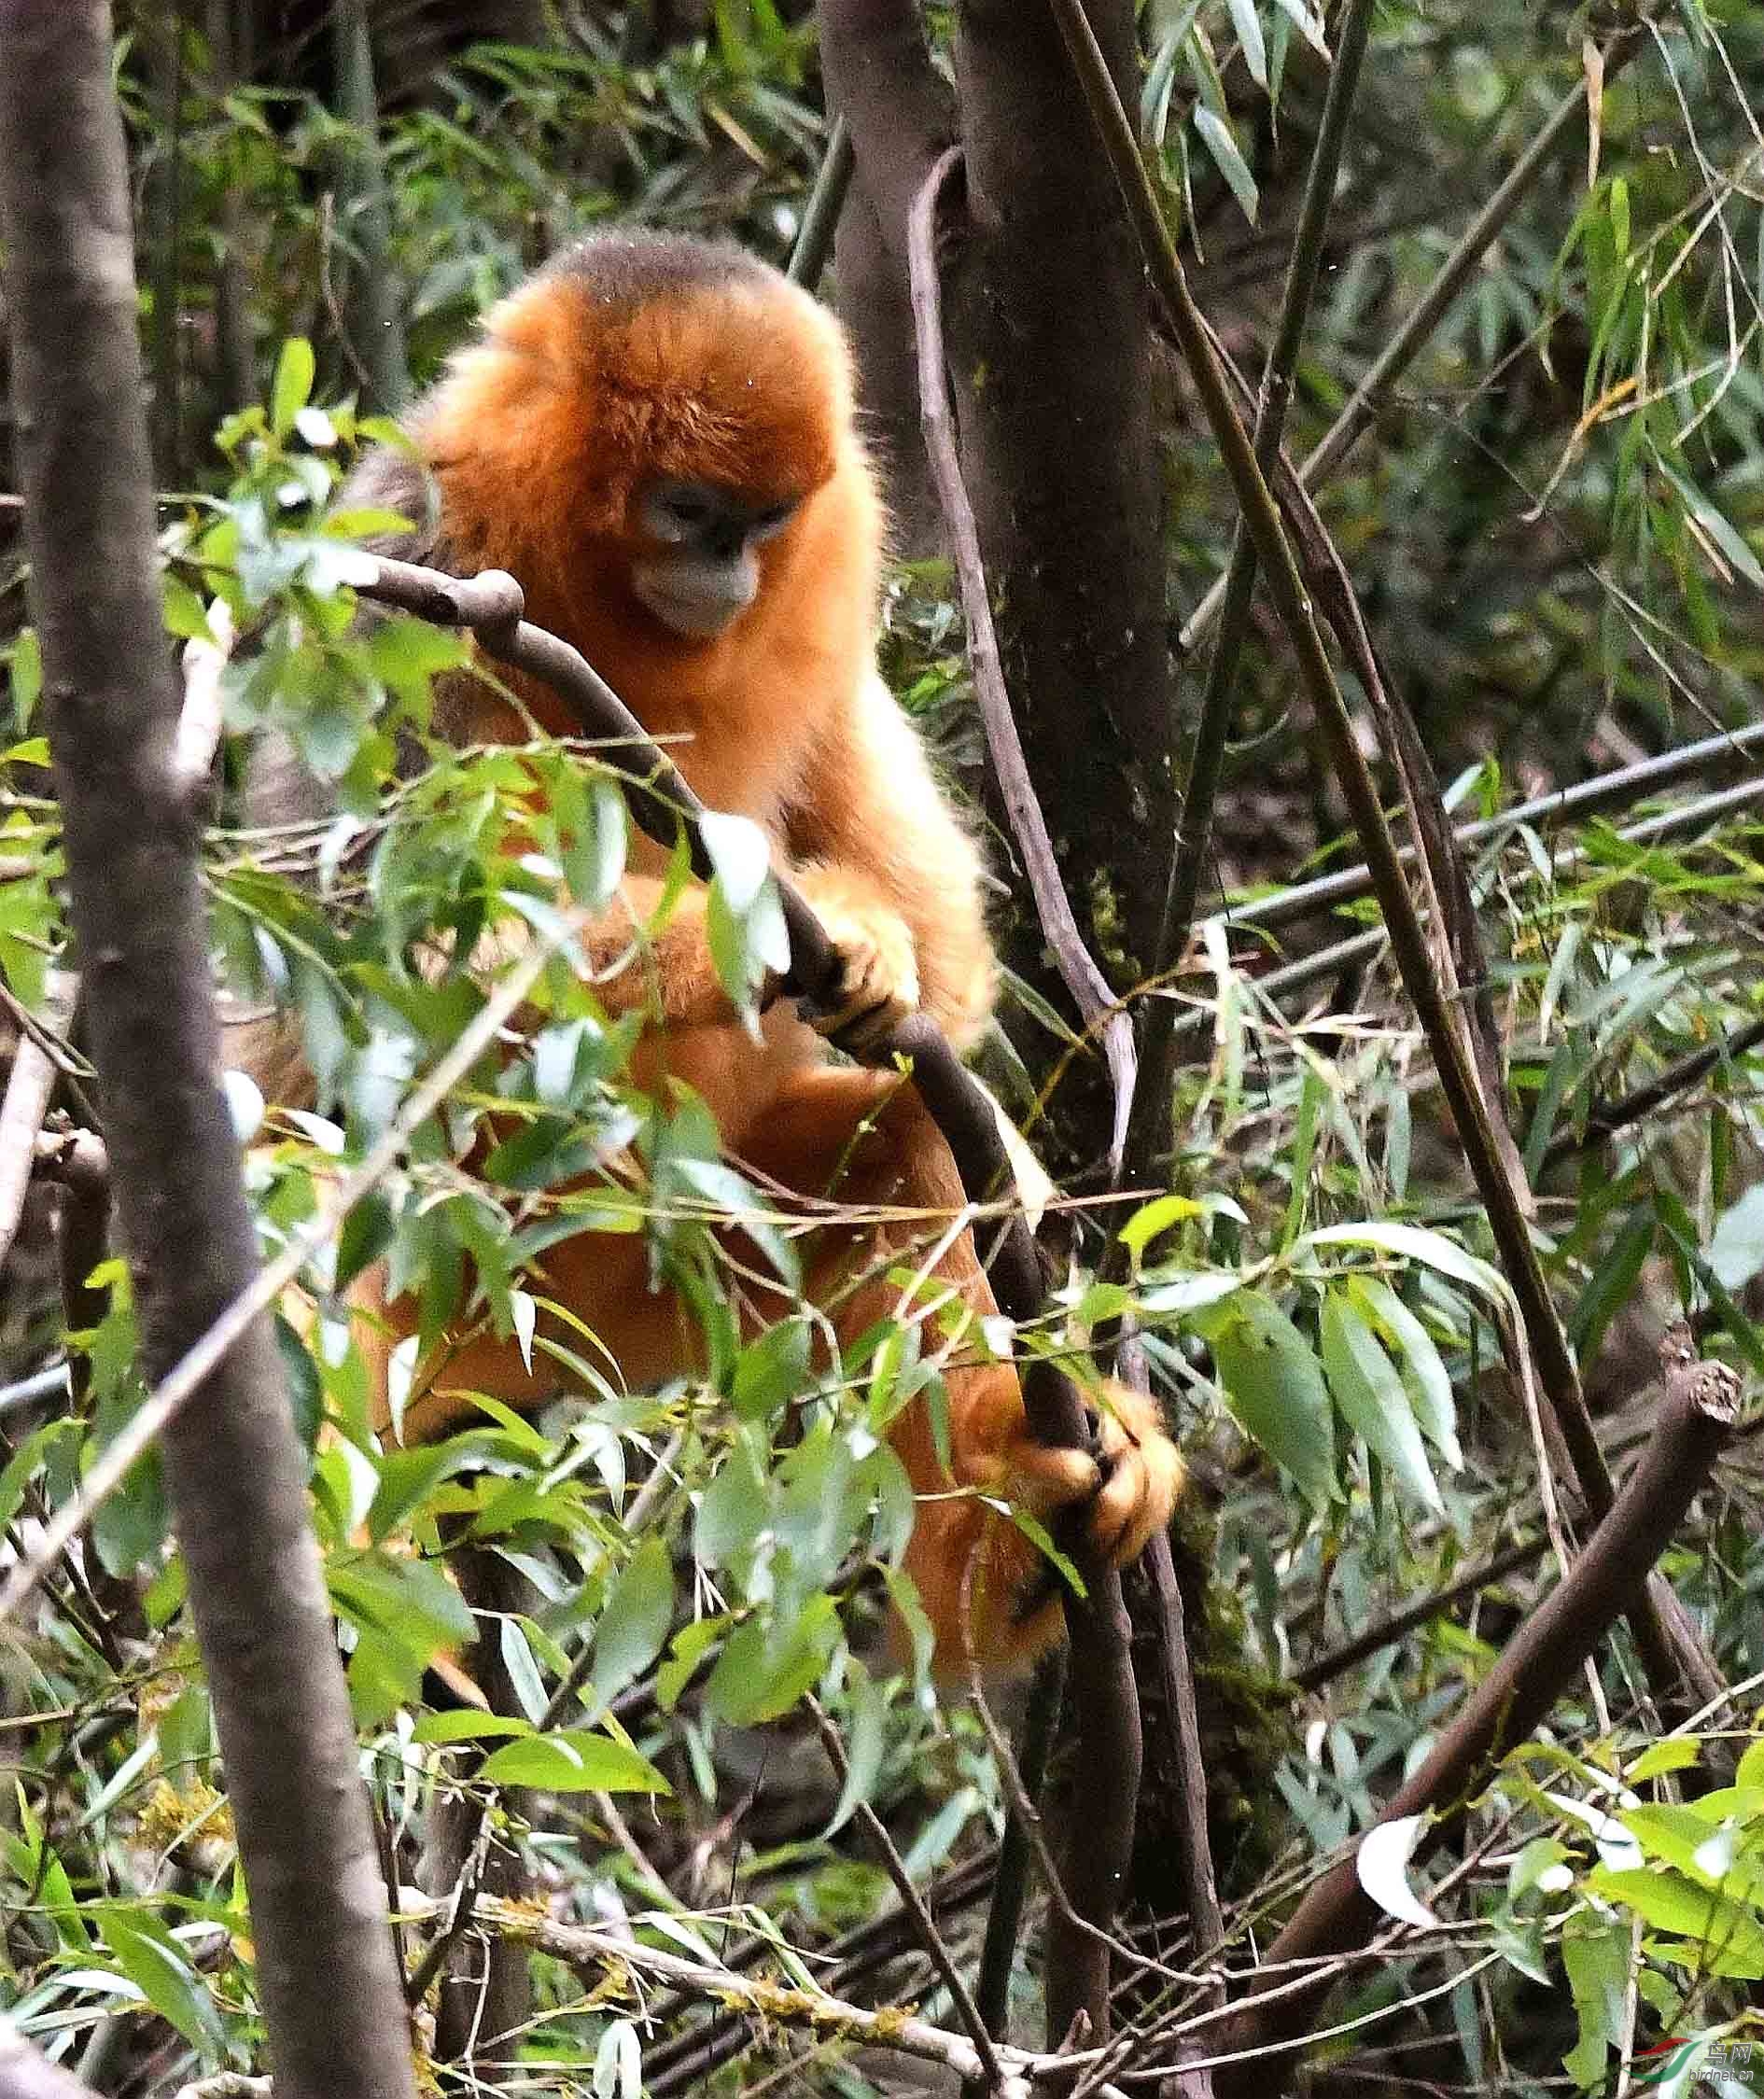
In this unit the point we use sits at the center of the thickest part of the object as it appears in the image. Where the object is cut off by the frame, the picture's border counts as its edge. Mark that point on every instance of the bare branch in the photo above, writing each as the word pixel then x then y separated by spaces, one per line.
pixel 1543 1657
pixel 597 1953
pixel 30 1086
pixel 198 725
pixel 1097 1005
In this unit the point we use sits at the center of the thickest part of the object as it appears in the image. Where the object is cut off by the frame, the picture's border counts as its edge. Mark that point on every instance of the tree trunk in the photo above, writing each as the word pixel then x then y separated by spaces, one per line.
pixel 1051 341
pixel 330 1990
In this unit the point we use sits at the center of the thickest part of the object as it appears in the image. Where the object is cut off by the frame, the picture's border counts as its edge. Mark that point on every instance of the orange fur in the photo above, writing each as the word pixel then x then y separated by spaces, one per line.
pixel 641 356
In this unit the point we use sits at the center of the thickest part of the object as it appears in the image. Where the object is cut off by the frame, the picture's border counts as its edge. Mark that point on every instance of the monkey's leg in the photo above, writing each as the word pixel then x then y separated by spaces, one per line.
pixel 864 1140
pixel 600 1277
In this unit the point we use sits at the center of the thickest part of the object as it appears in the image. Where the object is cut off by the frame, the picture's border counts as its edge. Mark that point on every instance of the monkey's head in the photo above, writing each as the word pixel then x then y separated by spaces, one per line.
pixel 656 429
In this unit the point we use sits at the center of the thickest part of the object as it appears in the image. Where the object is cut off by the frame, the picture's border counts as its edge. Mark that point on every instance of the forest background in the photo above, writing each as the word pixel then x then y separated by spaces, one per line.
pixel 1444 1764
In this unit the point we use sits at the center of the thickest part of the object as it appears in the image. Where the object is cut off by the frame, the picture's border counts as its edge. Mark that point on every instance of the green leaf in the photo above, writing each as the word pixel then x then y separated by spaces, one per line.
pixel 1413 1243
pixel 367 1232
pixel 732 1512
pixel 1424 1376
pixel 771 1372
pixel 593 851
pixel 1304 1147
pixel 293 385
pixel 1612 1283
pixel 1275 1388
pixel 1144 1225
pixel 1720 1933
pixel 156 1964
pixel 1248 26
pixel 1715 525
pixel 468 1725
pixel 1215 135
pixel 27 679
pixel 864 1744
pixel 576 1761
pixel 724 1189
pixel 1370 1393
pixel 1674 1753
pixel 411 1600
pixel 765 1668
pixel 1597 1960
pixel 635 1621
pixel 691 1645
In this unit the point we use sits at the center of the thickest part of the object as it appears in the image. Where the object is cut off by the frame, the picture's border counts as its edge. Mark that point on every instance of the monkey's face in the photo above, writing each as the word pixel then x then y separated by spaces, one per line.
pixel 698 565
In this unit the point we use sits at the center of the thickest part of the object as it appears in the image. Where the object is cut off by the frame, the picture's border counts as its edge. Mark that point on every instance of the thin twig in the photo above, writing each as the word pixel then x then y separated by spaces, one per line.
pixel 935 1946
pixel 826 200
pixel 1362 407
pixel 1386 1633
pixel 1098 1006
pixel 1148 1136
pixel 1626 784
pixel 51 1380
pixel 1605 1121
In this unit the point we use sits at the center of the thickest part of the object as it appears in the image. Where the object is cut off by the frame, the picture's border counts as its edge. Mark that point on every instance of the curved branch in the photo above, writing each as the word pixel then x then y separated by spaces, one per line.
pixel 1097 1005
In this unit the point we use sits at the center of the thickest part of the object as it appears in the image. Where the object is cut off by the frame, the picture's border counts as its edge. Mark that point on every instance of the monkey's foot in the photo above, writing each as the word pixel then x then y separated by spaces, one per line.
pixel 1131 1489
pixel 880 984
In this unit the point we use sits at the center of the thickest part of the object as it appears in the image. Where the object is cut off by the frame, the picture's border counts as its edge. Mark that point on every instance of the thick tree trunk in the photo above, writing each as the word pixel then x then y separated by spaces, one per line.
pixel 1051 341
pixel 875 304
pixel 330 1990
pixel 879 77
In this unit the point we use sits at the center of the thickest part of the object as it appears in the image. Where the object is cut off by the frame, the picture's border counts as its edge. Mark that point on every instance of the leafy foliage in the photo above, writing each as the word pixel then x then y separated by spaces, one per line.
pixel 1557 533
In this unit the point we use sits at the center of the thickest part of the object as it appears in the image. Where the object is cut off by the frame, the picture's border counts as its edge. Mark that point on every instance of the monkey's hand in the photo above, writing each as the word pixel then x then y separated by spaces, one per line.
pixel 1130 1487
pixel 880 984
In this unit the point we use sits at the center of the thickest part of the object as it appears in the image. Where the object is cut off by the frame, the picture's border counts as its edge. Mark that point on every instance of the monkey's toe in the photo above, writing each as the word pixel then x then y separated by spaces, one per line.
pixel 1142 1474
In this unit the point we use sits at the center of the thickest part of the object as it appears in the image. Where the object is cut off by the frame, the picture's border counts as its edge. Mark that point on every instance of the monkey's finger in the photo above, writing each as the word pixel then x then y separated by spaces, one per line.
pixel 864 1028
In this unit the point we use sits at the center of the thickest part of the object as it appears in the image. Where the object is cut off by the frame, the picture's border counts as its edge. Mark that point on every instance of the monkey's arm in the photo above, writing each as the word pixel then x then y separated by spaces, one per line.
pixel 881 855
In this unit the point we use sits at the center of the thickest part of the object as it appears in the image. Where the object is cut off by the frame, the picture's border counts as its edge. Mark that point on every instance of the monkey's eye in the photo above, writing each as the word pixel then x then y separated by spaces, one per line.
pixel 776 518
pixel 687 510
